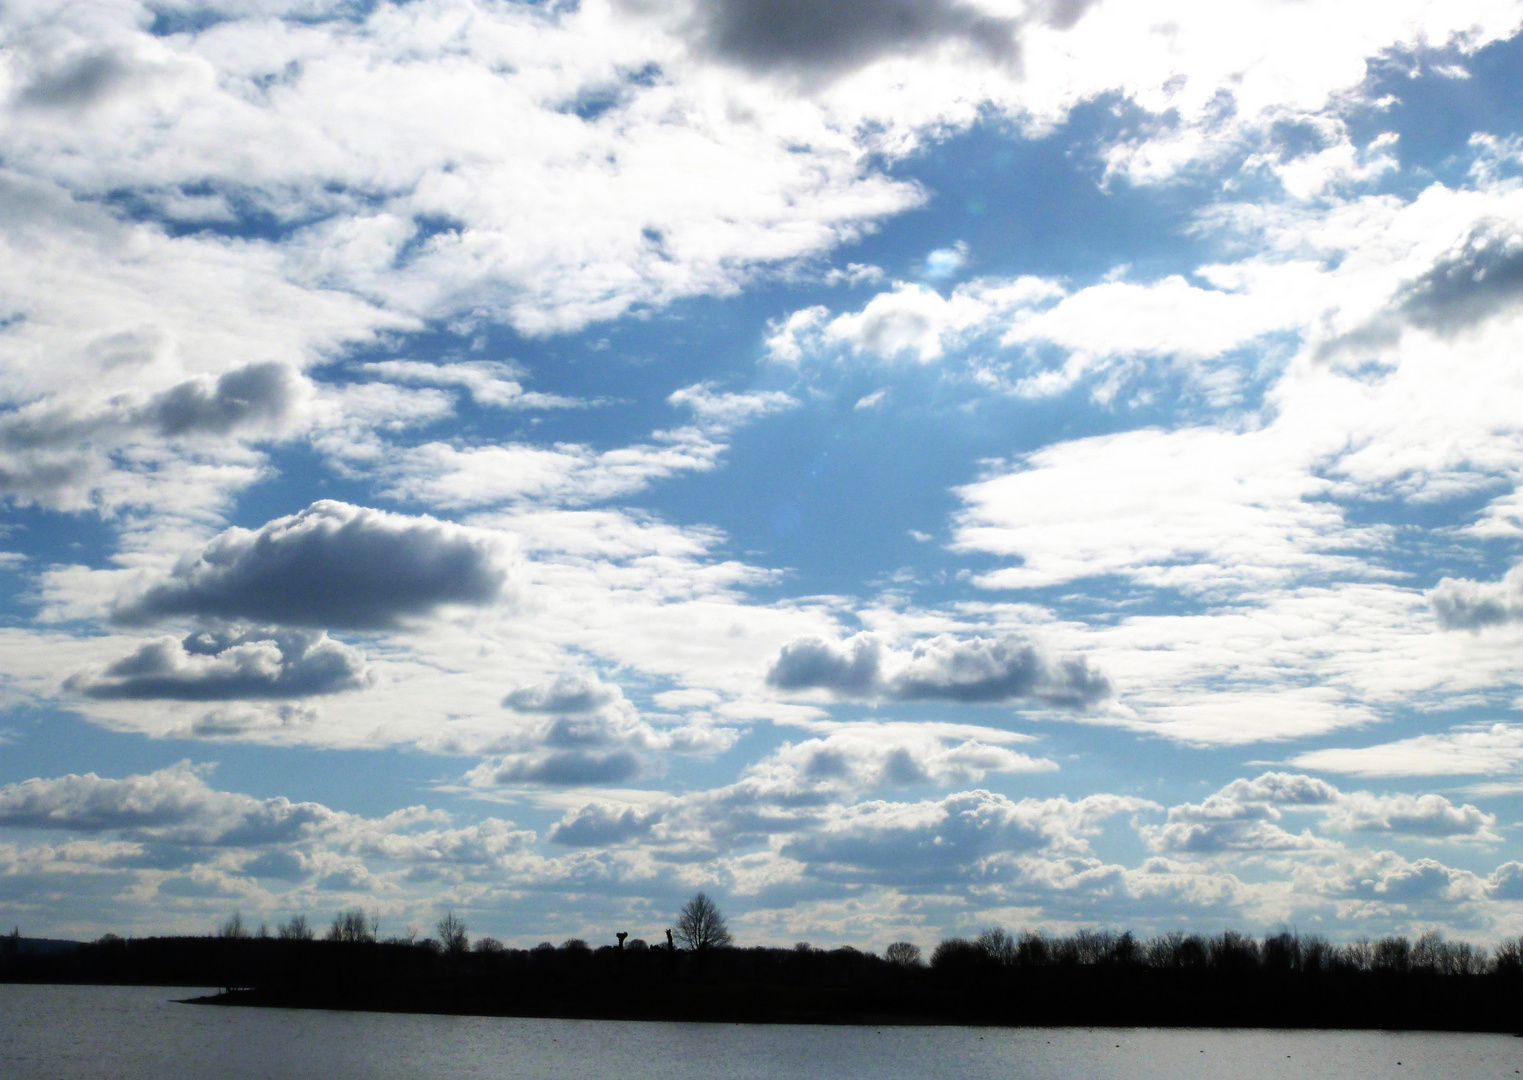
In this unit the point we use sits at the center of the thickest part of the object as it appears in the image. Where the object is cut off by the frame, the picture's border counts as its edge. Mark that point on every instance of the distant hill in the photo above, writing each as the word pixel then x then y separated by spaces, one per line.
pixel 41 946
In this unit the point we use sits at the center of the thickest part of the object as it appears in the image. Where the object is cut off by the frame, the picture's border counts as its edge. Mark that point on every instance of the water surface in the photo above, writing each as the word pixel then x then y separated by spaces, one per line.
pixel 140 1033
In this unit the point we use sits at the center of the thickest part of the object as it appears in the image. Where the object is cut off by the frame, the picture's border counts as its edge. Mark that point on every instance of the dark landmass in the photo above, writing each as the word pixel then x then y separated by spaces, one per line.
pixel 1088 980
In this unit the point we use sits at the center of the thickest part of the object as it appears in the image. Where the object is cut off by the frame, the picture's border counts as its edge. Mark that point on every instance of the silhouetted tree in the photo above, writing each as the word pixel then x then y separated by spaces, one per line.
pixel 700 926
pixel 350 926
pixel 234 927
pixel 997 945
pixel 295 929
pixel 956 954
pixel 903 954
pixel 1508 957
pixel 452 934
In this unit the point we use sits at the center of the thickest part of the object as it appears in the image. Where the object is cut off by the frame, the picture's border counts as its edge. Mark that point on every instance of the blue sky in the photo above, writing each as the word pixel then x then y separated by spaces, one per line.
pixel 897 467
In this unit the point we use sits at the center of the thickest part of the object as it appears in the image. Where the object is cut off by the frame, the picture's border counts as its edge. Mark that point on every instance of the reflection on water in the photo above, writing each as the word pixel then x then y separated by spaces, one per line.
pixel 139 1033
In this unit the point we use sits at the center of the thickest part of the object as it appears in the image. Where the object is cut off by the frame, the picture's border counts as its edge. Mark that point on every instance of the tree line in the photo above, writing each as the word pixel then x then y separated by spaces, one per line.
pixel 695 971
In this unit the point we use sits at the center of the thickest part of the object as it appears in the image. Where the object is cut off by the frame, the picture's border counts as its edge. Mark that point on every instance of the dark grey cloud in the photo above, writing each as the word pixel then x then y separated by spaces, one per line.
pixel 332 565
pixel 1462 604
pixel 253 395
pixel 280 865
pixel 51 451
pixel 228 665
pixel 1478 278
pixel 852 669
pixel 78 81
pixel 969 671
pixel 256 394
pixel 818 39
pixel 31 477
pixel 564 767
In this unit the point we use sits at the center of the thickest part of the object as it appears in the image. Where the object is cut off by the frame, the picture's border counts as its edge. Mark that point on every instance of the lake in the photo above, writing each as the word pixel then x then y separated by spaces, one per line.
pixel 140 1033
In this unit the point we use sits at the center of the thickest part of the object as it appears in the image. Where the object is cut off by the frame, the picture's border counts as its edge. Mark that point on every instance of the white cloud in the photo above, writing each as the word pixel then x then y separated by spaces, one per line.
pixel 970 835
pixel 489 382
pixel 454 477
pixel 1473 750
pixel 1245 816
pixel 866 756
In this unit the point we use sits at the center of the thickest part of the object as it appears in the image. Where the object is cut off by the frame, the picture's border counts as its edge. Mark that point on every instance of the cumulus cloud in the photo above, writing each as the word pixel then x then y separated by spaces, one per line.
pixel 1462 604
pixel 972 835
pixel 174 803
pixel 330 565
pixel 944 668
pixel 228 664
pixel 180 838
pixel 1423 816
pixel 602 824
pixel 1244 816
pixel 571 695
pixel 582 730
pixel 1506 881
pixel 864 756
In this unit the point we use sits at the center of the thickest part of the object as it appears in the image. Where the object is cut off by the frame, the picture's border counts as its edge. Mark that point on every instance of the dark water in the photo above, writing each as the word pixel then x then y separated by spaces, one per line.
pixel 138 1033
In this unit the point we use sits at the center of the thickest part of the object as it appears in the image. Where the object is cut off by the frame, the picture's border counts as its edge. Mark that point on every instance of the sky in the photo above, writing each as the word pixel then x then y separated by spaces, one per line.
pixel 898 466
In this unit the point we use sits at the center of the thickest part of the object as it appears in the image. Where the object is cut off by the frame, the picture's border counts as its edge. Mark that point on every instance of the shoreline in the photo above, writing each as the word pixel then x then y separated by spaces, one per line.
pixel 257 999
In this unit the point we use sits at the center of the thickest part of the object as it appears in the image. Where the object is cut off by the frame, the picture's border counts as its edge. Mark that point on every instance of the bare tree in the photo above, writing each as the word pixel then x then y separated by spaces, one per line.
pixel 296 929
pixel 997 944
pixel 234 927
pixel 700 926
pixel 350 925
pixel 903 954
pixel 452 934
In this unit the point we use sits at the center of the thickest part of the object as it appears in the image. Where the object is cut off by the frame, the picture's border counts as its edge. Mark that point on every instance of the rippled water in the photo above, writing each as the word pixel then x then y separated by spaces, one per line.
pixel 140 1033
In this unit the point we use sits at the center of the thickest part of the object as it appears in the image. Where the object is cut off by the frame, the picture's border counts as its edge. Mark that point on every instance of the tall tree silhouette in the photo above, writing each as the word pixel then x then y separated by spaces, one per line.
pixel 700 926
pixel 452 934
